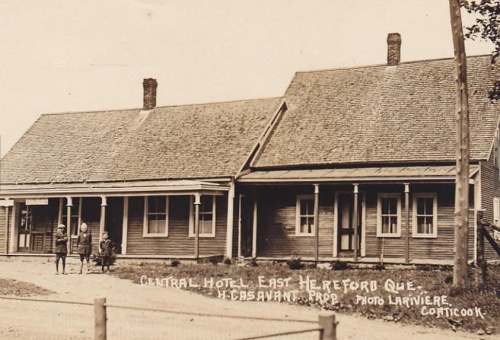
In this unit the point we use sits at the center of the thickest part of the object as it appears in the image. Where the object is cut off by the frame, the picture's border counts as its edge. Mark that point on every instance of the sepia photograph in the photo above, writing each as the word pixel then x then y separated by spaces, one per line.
pixel 250 169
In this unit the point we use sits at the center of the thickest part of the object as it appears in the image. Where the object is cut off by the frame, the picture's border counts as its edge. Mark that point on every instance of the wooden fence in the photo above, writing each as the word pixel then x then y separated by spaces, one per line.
pixel 326 325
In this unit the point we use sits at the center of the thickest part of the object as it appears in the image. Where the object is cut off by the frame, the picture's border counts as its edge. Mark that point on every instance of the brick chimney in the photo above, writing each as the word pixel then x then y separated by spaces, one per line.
pixel 150 86
pixel 393 49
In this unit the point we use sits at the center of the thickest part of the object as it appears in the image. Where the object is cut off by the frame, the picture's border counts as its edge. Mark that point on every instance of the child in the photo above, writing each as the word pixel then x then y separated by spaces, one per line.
pixel 61 248
pixel 84 243
pixel 106 250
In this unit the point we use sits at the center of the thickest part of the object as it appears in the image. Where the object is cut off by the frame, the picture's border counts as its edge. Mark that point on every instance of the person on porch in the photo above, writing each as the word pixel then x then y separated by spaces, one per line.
pixel 61 248
pixel 84 244
pixel 106 250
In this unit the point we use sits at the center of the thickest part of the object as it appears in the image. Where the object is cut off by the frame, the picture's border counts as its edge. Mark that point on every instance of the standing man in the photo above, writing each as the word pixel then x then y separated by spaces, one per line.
pixel 61 248
pixel 84 244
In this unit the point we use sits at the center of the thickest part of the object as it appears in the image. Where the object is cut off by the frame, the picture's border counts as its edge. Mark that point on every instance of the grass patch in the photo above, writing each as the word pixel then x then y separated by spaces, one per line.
pixel 9 287
pixel 375 293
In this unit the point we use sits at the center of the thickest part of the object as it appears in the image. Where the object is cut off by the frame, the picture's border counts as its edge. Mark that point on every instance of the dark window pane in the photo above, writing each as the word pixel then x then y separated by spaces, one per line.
pixel 385 206
pixel 206 204
pixel 306 207
pixel 157 204
pixel 393 205
pixel 306 225
pixel 420 206
pixel 429 206
pixel 385 224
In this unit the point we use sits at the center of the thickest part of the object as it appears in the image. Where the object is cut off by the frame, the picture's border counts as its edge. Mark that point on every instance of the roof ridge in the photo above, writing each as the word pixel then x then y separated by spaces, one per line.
pixel 385 64
pixel 165 106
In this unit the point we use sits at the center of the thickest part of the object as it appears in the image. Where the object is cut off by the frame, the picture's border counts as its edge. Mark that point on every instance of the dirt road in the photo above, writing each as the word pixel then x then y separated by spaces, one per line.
pixel 43 320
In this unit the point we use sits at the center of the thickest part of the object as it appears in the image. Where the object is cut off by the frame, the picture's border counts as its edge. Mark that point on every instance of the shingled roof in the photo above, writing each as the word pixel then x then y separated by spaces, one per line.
pixel 381 114
pixel 175 142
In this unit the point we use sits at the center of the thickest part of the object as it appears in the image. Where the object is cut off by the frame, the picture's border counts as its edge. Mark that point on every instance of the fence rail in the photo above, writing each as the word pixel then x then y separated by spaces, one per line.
pixel 316 329
pixel 326 322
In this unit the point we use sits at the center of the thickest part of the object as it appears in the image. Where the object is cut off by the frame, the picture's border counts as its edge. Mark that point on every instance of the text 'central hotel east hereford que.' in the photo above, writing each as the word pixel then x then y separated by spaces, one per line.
pixel 353 164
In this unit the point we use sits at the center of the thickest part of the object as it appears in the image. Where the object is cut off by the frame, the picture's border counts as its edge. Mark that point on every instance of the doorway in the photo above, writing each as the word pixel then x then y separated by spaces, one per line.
pixel 246 220
pixel 344 211
pixel 25 219
pixel 114 221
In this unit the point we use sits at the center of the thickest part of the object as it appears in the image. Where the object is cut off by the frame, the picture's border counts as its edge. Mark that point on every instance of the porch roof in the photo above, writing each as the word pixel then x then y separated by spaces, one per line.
pixel 174 187
pixel 372 174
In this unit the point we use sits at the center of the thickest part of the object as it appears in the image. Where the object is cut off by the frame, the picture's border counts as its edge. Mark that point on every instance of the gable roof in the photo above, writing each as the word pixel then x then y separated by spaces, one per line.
pixel 381 114
pixel 175 142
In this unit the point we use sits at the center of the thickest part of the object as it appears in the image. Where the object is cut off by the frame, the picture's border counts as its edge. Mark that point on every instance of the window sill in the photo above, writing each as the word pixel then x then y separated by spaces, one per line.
pixel 423 236
pixel 202 236
pixel 155 235
pixel 389 235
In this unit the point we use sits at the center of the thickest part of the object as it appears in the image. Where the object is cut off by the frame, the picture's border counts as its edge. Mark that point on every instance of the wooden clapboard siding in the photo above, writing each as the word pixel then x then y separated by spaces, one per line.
pixel 375 246
pixel 326 222
pixel 276 224
pixel 420 248
pixel 3 230
pixel 277 219
pixel 490 187
pixel 178 243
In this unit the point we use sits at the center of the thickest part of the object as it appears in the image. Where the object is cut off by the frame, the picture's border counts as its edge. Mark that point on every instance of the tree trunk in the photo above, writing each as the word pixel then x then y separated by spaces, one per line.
pixel 462 167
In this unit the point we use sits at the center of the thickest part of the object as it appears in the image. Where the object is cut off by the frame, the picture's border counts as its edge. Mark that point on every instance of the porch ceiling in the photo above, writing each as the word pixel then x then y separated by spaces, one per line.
pixel 174 187
pixel 374 174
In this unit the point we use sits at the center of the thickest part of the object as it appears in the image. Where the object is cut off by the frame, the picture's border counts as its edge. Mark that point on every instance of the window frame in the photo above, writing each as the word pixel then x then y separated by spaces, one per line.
pixel 380 233
pixel 496 149
pixel 496 216
pixel 298 216
pixel 214 219
pixel 145 231
pixel 415 233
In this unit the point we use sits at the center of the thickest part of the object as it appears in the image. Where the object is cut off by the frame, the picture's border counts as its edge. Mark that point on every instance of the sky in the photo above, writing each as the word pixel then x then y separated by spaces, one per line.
pixel 90 55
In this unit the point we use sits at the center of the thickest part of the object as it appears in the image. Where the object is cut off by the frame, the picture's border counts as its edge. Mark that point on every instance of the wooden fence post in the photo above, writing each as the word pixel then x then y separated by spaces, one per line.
pixel 100 318
pixel 327 322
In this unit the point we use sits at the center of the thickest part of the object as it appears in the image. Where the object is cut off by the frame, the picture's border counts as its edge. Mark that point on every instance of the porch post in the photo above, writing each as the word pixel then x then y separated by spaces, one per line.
pixel 125 225
pixel 254 229
pixel 316 221
pixel 103 217
pixel 355 221
pixel 481 269
pixel 6 230
pixel 14 235
pixel 69 204
pixel 230 219
pixel 60 211
pixel 407 222
pixel 239 225
pixel 197 203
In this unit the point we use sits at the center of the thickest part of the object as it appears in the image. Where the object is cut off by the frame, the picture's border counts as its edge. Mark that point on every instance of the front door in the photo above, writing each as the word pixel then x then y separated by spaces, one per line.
pixel 25 227
pixel 345 223
pixel 114 221
pixel 246 220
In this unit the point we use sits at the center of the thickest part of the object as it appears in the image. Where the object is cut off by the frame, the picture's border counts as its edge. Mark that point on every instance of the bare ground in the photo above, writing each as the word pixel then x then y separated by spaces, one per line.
pixel 43 320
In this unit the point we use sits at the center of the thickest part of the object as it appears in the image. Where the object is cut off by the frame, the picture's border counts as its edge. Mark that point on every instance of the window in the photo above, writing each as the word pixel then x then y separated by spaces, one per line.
pixel 304 225
pixel 424 215
pixel 496 216
pixel 389 215
pixel 496 149
pixel 207 217
pixel 156 216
